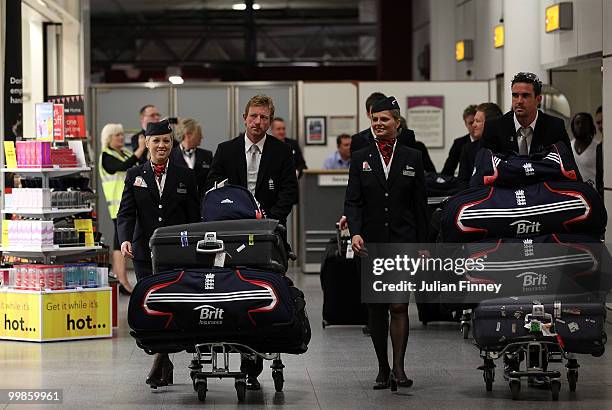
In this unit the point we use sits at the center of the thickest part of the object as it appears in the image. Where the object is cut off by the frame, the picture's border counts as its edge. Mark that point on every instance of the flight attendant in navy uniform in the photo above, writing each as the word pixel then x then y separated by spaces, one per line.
pixel 156 193
pixel 386 202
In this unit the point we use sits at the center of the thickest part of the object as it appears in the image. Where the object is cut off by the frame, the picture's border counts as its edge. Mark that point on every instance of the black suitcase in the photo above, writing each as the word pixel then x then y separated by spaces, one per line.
pixel 341 284
pixel 537 209
pixel 256 243
pixel 556 163
pixel 579 321
pixel 173 311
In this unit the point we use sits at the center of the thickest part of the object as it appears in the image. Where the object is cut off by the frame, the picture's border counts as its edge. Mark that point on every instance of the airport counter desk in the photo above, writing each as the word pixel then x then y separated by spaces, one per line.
pixel 321 206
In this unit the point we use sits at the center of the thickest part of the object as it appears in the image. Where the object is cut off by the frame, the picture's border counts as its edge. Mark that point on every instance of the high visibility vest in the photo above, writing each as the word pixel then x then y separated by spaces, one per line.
pixel 112 184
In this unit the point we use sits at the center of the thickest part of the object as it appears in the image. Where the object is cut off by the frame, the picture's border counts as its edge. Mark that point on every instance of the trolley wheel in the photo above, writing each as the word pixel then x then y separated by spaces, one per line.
pixel 240 390
pixel 515 388
pixel 572 379
pixel 277 376
pixel 465 330
pixel 201 388
pixel 555 386
pixel 489 377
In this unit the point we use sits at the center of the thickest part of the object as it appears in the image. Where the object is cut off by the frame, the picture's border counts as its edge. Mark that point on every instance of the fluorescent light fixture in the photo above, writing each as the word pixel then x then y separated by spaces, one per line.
pixel 464 50
pixel 176 79
pixel 242 6
pixel 559 17
pixel 498 36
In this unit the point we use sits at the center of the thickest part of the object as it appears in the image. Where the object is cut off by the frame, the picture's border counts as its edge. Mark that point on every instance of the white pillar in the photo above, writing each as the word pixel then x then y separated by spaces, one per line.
pixel 522 46
pixel 442 31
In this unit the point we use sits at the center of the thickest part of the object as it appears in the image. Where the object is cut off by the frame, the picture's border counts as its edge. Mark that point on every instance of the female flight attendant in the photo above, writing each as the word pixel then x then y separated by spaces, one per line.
pixel 386 202
pixel 156 193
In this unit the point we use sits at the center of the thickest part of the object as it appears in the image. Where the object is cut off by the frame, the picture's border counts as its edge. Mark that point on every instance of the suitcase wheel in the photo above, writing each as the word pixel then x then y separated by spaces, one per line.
pixel 200 387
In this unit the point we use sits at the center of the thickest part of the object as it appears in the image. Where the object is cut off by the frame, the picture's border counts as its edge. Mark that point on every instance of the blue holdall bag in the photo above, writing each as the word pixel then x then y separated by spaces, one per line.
pixel 230 202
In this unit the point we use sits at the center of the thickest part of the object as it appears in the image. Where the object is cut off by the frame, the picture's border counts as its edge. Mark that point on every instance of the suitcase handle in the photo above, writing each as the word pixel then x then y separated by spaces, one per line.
pixel 204 246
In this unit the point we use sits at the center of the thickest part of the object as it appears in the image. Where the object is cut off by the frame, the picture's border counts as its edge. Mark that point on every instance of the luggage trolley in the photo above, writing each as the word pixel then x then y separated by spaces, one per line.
pixel 538 349
pixel 207 354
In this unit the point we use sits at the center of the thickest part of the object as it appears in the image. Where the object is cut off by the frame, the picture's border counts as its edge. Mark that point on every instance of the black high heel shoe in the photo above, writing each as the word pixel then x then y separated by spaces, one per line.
pixel 382 380
pixel 395 382
pixel 392 382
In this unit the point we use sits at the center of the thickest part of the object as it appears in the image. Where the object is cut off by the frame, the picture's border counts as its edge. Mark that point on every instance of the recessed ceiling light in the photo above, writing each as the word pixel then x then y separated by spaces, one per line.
pixel 242 6
pixel 176 79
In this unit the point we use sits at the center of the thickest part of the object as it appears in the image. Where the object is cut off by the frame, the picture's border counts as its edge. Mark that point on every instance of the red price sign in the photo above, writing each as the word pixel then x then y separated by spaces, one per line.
pixel 58 122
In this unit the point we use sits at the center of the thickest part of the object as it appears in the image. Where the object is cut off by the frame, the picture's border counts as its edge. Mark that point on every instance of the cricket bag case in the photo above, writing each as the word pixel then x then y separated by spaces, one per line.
pixel 579 321
pixel 173 311
pixel 537 209
pixel 256 243
pixel 546 264
pixel 556 163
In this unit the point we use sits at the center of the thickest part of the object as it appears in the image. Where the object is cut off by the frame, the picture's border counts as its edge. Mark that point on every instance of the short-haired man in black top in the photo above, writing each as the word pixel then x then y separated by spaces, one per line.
pixel 524 129
pixel 450 165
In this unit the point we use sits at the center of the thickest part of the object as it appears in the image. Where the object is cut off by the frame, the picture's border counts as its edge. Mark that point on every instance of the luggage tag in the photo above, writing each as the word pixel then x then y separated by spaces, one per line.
pixel 573 327
pixel 184 239
pixel 349 252
pixel 219 260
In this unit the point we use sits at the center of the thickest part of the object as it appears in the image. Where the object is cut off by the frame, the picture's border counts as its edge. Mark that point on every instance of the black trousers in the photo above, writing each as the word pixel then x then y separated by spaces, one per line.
pixel 142 269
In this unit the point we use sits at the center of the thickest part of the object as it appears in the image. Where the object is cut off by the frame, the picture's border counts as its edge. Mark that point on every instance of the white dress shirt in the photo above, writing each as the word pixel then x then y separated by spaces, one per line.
pixel 253 167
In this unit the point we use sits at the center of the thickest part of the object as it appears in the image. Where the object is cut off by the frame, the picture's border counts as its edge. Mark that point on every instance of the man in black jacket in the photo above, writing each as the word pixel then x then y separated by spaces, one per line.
pixel 148 113
pixel 263 165
pixel 454 154
pixel 258 162
pixel 524 129
pixel 279 130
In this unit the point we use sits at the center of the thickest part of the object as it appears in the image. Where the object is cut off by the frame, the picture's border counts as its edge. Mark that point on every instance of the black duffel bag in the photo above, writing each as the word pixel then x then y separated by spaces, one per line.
pixel 537 209
pixel 175 310
pixel 555 163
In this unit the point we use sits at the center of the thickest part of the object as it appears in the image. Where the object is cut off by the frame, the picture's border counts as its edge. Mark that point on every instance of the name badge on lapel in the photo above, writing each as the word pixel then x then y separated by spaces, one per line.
pixel 365 166
pixel 181 189
pixel 408 171
pixel 271 184
pixel 139 181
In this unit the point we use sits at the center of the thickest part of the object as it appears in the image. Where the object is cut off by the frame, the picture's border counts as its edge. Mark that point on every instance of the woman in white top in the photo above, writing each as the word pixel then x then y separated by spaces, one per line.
pixel 588 150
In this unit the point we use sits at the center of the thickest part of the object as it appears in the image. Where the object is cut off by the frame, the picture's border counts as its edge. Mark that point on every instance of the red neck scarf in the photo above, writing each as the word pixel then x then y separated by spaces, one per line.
pixel 385 147
pixel 159 169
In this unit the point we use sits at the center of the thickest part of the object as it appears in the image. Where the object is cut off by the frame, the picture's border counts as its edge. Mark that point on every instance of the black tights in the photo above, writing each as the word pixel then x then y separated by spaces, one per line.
pixel 378 321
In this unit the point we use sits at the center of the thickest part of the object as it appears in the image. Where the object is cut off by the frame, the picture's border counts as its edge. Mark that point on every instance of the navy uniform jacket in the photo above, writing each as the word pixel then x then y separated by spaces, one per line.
pixel 142 210
pixel 203 160
pixel 298 158
pixel 499 135
pixel 392 210
pixel 454 155
pixel 276 188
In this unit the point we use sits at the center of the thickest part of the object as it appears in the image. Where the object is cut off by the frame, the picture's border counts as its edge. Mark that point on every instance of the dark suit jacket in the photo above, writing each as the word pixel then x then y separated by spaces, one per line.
pixel 499 134
pixel 454 155
pixel 298 158
pixel 142 210
pixel 203 161
pixel 135 138
pixel 467 160
pixel 276 188
pixel 405 137
pixel 387 210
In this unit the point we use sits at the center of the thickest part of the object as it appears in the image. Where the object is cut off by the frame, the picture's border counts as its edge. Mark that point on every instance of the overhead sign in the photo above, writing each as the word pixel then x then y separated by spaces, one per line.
pixel 559 17
pixel 498 36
